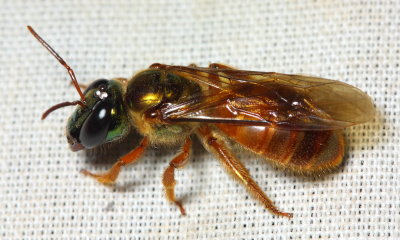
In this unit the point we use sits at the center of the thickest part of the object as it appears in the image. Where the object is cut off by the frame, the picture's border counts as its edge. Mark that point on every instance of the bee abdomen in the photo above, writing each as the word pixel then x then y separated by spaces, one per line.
pixel 318 151
pixel 301 151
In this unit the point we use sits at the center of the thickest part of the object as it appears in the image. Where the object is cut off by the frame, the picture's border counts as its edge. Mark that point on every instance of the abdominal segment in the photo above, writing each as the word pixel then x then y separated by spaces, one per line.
pixel 306 152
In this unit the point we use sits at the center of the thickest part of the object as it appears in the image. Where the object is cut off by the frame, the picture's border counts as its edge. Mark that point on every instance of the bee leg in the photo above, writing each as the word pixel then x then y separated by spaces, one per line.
pixel 111 175
pixel 236 169
pixel 168 179
pixel 219 66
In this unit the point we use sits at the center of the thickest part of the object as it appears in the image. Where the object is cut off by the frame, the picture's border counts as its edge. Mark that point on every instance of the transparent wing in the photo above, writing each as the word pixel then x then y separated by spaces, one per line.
pixel 276 100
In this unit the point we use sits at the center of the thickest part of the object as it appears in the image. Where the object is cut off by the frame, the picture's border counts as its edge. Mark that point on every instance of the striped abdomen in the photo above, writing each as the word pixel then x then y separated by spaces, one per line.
pixel 301 151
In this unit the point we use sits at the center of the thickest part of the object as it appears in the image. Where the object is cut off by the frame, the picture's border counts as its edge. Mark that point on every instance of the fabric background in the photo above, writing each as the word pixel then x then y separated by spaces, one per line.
pixel 43 195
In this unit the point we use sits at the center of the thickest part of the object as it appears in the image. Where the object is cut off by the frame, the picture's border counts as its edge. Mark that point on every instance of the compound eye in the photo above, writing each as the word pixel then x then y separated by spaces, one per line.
pixel 94 130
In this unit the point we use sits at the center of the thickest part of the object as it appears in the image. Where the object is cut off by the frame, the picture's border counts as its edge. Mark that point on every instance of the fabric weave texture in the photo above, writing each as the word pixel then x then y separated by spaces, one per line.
pixel 43 195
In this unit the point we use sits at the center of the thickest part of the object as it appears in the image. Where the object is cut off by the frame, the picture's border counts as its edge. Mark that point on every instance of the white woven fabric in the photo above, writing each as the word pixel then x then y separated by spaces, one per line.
pixel 43 195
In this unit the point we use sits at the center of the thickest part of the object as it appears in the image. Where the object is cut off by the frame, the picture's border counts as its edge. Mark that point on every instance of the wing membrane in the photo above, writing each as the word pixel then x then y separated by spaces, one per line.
pixel 276 100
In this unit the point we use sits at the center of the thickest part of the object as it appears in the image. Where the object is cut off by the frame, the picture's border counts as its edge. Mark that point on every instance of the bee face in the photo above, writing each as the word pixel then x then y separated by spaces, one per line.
pixel 102 120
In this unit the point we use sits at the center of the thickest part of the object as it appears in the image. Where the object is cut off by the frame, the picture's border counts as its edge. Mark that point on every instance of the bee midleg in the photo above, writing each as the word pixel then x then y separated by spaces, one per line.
pixel 235 168
pixel 219 66
pixel 111 175
pixel 168 178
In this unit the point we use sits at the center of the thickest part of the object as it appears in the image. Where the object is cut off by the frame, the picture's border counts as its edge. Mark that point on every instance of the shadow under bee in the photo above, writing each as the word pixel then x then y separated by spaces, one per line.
pixel 106 155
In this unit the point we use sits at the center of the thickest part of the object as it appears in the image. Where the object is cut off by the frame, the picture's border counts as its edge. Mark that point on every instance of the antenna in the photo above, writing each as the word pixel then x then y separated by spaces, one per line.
pixel 71 73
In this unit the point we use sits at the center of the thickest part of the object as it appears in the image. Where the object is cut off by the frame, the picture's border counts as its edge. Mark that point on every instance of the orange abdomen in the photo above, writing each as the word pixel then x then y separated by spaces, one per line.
pixel 300 151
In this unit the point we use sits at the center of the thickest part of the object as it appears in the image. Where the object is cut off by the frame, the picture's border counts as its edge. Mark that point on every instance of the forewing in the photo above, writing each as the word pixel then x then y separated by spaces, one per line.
pixel 276 100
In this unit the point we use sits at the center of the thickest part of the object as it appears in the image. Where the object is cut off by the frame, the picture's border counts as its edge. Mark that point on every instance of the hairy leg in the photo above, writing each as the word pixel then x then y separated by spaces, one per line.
pixel 111 175
pixel 168 179
pixel 236 169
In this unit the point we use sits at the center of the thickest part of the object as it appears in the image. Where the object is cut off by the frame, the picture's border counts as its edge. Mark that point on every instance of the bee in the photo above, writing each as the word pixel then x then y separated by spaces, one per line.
pixel 295 122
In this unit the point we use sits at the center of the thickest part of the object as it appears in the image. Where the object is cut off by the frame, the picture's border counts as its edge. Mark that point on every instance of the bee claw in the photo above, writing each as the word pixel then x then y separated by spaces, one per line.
pixel 288 215
pixel 181 208
pixel 103 179
pixel 86 172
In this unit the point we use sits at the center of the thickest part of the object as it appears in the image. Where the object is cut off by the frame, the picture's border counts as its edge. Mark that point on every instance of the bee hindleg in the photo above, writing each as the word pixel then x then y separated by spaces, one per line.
pixel 168 179
pixel 219 66
pixel 236 169
pixel 111 175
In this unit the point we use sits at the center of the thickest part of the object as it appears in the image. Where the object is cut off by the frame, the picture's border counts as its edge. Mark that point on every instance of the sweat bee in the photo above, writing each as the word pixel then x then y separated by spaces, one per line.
pixel 295 122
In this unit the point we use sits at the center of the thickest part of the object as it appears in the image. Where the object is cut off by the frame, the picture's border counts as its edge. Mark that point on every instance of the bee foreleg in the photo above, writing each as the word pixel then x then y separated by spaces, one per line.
pixel 111 175
pixel 168 179
pixel 235 168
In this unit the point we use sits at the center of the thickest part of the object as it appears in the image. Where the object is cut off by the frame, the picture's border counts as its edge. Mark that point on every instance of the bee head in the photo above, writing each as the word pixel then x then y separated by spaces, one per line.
pixel 101 120
pixel 100 116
